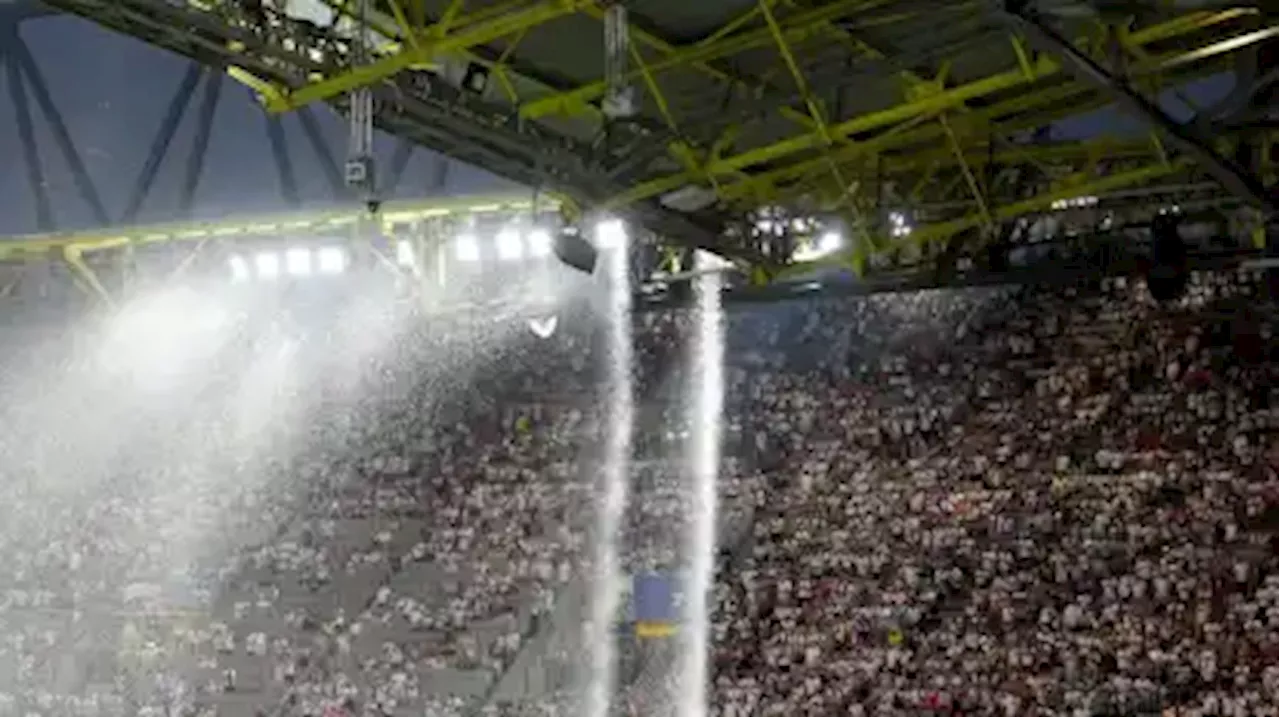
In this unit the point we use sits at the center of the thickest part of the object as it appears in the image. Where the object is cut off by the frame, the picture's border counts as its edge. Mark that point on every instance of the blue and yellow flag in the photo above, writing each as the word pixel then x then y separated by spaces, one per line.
pixel 653 605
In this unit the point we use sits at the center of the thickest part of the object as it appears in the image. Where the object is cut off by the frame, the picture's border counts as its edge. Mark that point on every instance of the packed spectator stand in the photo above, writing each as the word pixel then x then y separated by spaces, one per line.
pixel 1004 501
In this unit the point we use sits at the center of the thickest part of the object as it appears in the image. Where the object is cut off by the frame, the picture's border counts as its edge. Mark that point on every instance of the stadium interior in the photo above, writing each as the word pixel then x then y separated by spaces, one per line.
pixel 800 358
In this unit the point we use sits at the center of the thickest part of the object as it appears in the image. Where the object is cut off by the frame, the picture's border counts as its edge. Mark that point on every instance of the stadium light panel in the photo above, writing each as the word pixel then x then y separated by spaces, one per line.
pixel 510 247
pixel 466 248
pixel 539 243
pixel 610 233
pixel 404 253
pixel 268 265
pixel 829 243
pixel 297 261
pixel 239 268
pixel 332 260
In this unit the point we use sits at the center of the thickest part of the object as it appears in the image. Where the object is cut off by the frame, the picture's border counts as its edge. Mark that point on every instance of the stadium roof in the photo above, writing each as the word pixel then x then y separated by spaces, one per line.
pixel 854 109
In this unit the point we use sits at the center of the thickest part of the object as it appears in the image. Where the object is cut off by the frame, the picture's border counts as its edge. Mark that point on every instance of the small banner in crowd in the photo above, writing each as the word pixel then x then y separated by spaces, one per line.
pixel 653 605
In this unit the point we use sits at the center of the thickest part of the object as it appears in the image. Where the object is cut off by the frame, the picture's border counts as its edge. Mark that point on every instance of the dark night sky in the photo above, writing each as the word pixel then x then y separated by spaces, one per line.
pixel 113 92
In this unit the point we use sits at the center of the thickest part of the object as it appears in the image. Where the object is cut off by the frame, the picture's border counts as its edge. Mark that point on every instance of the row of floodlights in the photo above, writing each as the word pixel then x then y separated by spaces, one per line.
pixel 298 261
pixel 509 244
pixel 898 225
pixel 514 244
pixel 1074 203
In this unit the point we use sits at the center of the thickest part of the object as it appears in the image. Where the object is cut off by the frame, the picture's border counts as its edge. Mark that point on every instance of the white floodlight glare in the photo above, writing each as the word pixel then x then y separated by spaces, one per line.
pixel 467 248
pixel 610 233
pixel 268 265
pixel 404 253
pixel 817 247
pixel 239 268
pixel 297 261
pixel 510 247
pixel 331 260
pixel 539 243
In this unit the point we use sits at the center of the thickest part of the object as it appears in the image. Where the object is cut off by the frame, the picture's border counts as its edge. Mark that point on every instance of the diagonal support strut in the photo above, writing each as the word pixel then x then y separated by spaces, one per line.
pixel 1188 138
pixel 160 145
pixel 21 55
pixel 27 137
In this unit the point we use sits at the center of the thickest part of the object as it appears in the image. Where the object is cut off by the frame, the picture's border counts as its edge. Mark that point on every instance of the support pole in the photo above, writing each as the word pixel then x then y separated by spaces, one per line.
pixel 200 145
pixel 40 90
pixel 26 135
pixel 1187 137
pixel 160 145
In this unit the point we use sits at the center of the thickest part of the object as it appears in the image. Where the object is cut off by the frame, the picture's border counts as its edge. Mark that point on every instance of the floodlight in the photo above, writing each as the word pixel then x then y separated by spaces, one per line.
pixel 268 265
pixel 239 268
pixel 297 261
pixel 829 242
pixel 404 253
pixel 509 245
pixel 467 248
pixel 332 260
pixel 539 242
pixel 610 233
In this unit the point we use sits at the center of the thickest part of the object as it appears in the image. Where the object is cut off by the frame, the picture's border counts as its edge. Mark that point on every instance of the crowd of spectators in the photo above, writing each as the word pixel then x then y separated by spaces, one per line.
pixel 989 501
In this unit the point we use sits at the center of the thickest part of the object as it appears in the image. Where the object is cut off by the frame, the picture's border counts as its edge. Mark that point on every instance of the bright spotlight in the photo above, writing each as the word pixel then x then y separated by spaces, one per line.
pixel 539 242
pixel 466 248
pixel 268 265
pixel 239 268
pixel 610 233
pixel 816 248
pixel 404 253
pixel 297 261
pixel 509 245
pixel 332 260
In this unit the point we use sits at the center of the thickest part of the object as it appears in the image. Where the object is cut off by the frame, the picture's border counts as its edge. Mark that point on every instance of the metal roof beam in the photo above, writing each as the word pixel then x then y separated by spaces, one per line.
pixel 1188 137
pixel 940 231
pixel 473 30
pixel 794 28
pixel 1044 67
pixel 293 224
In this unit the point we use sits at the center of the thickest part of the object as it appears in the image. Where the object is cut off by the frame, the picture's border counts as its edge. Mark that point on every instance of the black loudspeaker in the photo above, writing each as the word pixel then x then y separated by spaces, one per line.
pixel 1167 277
pixel 570 248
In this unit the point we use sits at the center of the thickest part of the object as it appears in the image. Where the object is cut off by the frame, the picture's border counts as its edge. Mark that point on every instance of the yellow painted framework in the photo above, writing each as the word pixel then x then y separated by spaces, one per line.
pixel 294 225
pixel 1043 67
pixel 832 160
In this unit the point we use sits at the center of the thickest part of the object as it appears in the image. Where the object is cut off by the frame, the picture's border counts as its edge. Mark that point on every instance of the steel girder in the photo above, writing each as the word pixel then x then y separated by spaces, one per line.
pixel 262 226
pixel 767 110
pixel 117 228
pixel 1189 137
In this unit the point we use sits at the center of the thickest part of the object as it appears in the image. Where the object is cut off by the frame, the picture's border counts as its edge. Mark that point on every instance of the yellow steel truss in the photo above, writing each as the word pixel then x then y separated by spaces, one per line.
pixel 1043 67
pixel 936 137
pixel 297 225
